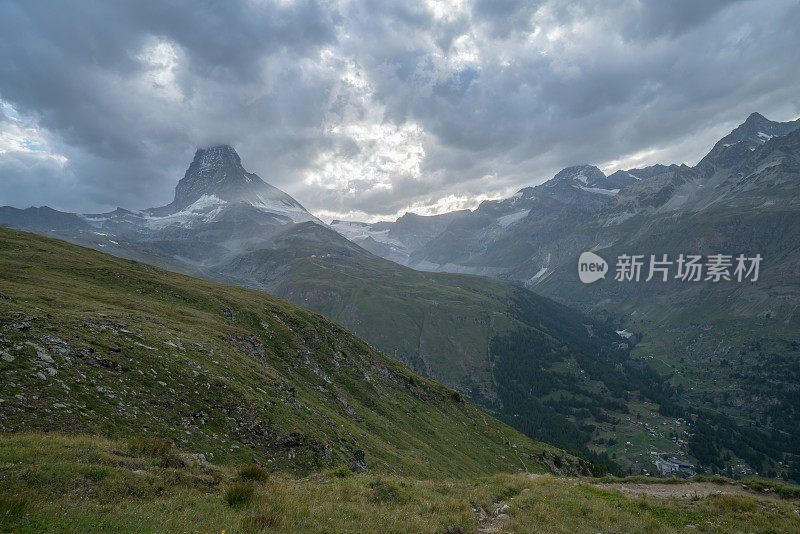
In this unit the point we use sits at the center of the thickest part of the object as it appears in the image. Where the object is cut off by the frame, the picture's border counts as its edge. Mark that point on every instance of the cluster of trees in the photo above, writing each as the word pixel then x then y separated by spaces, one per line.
pixel 548 401
pixel 767 369
pixel 543 397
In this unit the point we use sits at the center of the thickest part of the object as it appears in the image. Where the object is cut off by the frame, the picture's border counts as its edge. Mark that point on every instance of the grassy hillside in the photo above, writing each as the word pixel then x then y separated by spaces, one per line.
pixel 58 483
pixel 95 344
pixel 546 370
pixel 543 368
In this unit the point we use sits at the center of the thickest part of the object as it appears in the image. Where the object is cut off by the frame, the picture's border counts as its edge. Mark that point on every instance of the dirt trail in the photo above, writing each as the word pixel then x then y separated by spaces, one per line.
pixel 493 519
pixel 687 490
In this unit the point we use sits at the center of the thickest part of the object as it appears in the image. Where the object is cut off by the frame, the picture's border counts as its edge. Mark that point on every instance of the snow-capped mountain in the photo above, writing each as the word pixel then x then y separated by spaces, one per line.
pixel 500 233
pixel 459 241
pixel 396 240
pixel 216 175
pixel 219 209
pixel 591 179
pixel 510 237
pixel 214 189
pixel 747 137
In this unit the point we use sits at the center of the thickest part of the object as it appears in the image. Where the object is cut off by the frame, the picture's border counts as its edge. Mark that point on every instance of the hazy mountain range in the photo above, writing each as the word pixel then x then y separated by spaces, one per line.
pixel 721 358
pixel 505 238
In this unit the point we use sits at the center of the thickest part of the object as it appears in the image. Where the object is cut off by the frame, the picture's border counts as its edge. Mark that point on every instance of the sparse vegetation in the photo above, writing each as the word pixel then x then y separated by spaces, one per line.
pixel 253 473
pixel 239 495
pixel 44 491
pixel 157 448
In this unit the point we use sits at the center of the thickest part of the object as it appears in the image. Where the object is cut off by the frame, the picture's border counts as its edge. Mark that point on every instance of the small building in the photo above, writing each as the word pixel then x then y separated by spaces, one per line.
pixel 674 467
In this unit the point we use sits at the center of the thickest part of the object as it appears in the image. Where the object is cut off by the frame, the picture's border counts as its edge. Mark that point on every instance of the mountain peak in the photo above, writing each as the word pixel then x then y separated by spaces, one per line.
pixel 216 177
pixel 216 171
pixel 756 117
pixel 748 136
pixel 217 155
pixel 756 129
pixel 591 179
pixel 221 161
pixel 580 175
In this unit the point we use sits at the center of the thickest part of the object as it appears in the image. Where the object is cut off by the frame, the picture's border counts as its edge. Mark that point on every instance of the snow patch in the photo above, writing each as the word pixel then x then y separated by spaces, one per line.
pixel 538 276
pixel 507 220
pixel 358 231
pixel 541 273
pixel 203 209
pixel 205 202
pixel 599 190
pixel 282 206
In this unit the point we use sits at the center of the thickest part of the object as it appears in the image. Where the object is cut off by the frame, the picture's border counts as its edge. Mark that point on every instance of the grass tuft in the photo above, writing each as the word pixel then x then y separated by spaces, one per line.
pixel 239 495
pixel 342 472
pixel 253 473
pixel 152 447
pixel 95 474
pixel 260 522
pixel 384 492
pixel 11 506
pixel 159 449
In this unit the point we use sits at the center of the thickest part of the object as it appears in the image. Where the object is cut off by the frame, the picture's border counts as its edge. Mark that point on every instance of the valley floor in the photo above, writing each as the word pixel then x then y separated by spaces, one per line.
pixel 61 483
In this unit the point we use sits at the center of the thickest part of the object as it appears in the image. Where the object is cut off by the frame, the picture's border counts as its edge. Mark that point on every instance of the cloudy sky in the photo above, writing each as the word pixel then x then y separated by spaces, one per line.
pixel 367 109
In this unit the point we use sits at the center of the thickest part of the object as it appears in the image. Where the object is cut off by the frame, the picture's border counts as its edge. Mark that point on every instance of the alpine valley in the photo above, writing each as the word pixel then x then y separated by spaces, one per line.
pixel 488 301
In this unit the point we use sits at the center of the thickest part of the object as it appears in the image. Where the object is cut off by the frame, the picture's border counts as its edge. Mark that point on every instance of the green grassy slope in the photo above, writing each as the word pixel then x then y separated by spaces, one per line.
pixel 95 344
pixel 541 367
pixel 58 483
pixel 442 324
pixel 546 370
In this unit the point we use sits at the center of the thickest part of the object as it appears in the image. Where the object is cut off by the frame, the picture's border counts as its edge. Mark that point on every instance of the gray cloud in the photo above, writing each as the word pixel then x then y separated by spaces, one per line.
pixel 368 108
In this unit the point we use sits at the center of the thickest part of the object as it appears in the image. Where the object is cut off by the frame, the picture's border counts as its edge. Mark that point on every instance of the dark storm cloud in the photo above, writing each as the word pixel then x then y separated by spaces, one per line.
pixel 368 107
pixel 654 18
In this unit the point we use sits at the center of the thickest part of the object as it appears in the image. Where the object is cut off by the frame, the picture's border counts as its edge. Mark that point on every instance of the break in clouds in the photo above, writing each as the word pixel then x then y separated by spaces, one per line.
pixel 364 109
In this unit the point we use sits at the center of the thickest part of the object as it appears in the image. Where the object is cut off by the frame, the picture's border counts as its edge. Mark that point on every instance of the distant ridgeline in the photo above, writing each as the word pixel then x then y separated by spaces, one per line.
pixel 708 377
